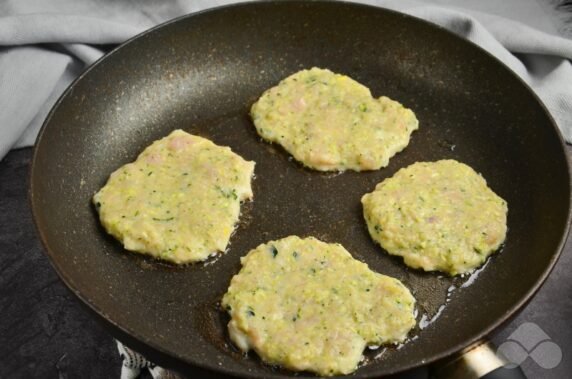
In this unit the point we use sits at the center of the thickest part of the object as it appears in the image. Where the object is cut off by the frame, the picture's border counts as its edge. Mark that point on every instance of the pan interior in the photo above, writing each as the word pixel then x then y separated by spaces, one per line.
pixel 201 74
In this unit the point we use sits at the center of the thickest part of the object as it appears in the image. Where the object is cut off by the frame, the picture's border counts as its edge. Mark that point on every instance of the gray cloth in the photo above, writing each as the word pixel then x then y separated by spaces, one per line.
pixel 45 44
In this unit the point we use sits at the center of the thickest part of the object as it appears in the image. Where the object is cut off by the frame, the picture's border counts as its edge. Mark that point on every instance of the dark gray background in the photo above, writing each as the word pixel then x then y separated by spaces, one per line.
pixel 45 333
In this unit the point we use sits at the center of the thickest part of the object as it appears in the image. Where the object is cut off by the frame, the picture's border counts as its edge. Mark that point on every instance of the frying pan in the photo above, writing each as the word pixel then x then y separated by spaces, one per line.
pixel 201 73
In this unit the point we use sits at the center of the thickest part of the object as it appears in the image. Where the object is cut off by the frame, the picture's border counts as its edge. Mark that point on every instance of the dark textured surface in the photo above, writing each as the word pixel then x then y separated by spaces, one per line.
pixel 156 83
pixel 45 333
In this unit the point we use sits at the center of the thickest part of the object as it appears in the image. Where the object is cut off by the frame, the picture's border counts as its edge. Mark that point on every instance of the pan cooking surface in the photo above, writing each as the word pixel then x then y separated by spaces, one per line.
pixel 201 73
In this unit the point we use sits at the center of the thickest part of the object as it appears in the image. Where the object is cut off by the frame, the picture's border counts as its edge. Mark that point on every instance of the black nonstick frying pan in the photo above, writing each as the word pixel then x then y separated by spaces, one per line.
pixel 201 73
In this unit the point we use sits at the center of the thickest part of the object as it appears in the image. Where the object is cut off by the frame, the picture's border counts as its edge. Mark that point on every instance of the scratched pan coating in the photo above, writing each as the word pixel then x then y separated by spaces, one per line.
pixel 201 73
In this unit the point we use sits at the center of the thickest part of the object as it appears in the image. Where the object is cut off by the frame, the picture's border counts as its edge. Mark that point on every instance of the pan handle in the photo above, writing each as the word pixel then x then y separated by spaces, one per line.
pixel 479 362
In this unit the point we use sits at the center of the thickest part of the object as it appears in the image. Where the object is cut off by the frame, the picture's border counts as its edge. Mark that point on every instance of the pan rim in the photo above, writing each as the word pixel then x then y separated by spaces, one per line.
pixel 68 281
